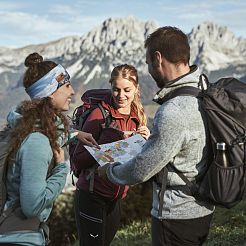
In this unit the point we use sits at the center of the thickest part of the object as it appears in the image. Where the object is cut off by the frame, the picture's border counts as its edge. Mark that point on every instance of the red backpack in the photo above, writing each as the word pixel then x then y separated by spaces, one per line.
pixel 91 99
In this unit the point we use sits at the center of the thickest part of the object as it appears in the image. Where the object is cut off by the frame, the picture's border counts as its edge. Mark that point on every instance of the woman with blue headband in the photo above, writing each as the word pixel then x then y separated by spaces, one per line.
pixel 36 168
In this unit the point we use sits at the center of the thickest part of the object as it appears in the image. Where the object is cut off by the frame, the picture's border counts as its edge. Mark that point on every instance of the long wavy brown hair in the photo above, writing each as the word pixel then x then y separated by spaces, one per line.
pixel 130 73
pixel 38 115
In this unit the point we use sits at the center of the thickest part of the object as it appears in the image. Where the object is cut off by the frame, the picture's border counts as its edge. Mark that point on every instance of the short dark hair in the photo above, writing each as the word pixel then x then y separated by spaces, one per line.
pixel 171 42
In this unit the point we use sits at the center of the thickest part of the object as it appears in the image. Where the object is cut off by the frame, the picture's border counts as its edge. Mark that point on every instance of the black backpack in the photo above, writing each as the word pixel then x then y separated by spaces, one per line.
pixel 223 107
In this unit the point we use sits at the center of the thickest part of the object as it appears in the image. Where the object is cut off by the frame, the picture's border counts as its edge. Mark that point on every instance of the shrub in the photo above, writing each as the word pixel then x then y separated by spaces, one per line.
pixel 136 206
pixel 62 221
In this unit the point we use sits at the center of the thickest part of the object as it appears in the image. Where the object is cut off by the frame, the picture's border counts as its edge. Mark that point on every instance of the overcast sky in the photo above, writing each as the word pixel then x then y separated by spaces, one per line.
pixel 32 22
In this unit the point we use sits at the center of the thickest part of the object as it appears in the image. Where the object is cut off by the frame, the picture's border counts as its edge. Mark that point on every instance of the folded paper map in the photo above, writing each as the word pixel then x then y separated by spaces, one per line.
pixel 119 151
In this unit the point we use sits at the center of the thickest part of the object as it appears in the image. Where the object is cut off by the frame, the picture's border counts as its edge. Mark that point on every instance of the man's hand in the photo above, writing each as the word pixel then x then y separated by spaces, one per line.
pixel 87 139
pixel 101 171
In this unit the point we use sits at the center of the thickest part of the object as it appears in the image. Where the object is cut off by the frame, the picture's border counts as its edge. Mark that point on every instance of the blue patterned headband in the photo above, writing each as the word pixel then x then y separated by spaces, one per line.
pixel 48 84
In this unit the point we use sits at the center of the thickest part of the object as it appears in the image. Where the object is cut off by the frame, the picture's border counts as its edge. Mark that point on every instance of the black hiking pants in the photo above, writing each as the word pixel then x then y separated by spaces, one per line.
pixel 97 219
pixel 188 232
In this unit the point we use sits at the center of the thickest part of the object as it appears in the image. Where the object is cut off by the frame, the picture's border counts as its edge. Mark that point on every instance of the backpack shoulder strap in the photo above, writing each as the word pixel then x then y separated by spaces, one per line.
pixel 162 190
pixel 191 185
pixel 181 91
pixel 107 119
pixel 106 115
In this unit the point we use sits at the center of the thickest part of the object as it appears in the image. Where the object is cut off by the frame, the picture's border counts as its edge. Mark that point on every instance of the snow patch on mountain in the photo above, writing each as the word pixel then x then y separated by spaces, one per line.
pixel 214 47
pixel 91 57
pixel 95 71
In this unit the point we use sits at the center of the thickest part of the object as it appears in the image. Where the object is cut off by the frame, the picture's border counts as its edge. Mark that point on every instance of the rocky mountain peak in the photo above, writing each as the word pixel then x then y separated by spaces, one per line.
pixel 215 47
pixel 118 32
pixel 91 57
pixel 211 32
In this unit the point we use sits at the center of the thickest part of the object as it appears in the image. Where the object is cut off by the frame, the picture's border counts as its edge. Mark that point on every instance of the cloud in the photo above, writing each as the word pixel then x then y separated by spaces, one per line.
pixel 25 26
pixel 7 6
pixel 24 23
pixel 189 14
pixel 63 10
pixel 30 23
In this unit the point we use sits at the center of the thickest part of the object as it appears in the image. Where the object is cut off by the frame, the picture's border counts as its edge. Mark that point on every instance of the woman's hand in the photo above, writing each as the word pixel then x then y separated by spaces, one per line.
pixel 144 131
pixel 87 139
pixel 59 156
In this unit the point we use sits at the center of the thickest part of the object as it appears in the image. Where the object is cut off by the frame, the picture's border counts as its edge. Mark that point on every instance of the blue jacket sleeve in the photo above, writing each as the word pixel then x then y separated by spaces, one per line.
pixel 36 191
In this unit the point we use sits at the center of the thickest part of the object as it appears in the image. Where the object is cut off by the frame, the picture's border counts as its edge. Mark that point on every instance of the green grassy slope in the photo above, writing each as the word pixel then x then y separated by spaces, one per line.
pixel 228 229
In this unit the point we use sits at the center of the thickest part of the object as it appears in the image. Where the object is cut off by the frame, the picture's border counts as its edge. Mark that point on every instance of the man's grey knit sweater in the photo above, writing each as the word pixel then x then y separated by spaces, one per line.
pixel 178 137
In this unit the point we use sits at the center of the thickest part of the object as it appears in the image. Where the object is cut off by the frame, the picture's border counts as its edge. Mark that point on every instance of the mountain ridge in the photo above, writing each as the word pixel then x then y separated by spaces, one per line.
pixel 91 57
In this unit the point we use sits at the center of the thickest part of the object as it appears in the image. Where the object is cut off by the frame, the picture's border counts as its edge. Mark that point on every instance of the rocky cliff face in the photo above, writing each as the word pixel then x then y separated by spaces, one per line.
pixel 91 57
pixel 217 51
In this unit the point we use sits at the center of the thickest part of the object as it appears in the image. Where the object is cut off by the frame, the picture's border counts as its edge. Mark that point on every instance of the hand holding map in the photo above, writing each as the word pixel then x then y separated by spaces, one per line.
pixel 119 151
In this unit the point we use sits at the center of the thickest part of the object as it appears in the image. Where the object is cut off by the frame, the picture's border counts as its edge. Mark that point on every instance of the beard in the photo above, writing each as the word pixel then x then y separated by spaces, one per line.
pixel 160 81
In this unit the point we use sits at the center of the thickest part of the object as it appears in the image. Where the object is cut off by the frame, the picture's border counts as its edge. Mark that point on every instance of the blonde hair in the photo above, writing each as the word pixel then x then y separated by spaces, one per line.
pixel 130 73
